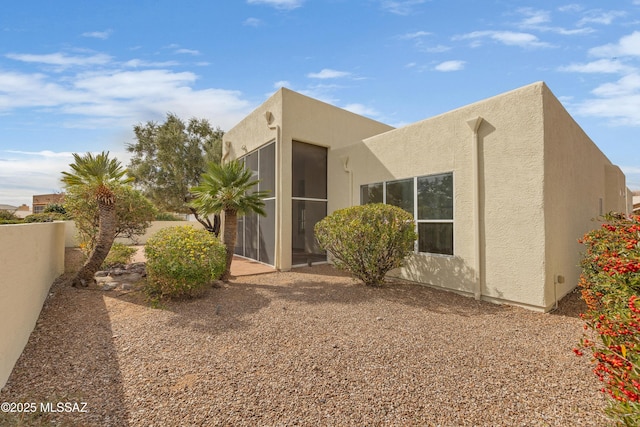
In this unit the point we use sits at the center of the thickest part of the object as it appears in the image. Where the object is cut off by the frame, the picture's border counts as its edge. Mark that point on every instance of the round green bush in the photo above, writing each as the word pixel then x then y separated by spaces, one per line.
pixel 182 261
pixel 368 241
pixel 119 254
pixel 45 217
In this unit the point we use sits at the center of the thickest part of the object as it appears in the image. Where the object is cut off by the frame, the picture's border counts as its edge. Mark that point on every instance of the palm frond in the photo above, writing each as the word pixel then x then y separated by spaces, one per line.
pixel 228 187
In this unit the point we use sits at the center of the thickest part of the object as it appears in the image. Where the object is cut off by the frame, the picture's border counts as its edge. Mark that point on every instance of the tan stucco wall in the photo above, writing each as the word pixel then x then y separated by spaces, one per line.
pixel 579 182
pixel 31 257
pixel 540 178
pixel 71 240
pixel 299 118
pixel 511 191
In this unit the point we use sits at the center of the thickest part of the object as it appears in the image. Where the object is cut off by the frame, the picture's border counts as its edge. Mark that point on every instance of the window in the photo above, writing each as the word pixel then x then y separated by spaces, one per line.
pixel 255 235
pixel 400 193
pixel 372 193
pixel 309 201
pixel 429 198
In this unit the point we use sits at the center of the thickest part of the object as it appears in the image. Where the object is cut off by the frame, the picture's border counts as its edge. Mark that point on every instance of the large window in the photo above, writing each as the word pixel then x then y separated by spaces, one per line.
pixel 309 201
pixel 255 236
pixel 430 200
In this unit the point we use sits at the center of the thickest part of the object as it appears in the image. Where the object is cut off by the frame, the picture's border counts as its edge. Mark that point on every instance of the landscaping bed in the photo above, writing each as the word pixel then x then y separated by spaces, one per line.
pixel 307 347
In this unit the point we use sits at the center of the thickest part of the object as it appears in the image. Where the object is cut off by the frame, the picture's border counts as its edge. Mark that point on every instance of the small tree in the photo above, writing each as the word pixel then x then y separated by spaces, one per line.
pixel 168 159
pixel 228 188
pixel 134 214
pixel 367 241
pixel 97 176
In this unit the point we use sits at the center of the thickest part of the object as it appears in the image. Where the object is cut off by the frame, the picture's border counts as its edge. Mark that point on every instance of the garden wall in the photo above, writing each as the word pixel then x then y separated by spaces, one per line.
pixel 31 257
pixel 72 242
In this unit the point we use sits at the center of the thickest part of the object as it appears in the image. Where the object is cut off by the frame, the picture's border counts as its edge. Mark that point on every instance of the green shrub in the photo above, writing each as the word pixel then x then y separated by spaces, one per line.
pixel 55 207
pixel 134 214
pixel 45 217
pixel 166 216
pixel 11 221
pixel 7 215
pixel 120 254
pixel 182 261
pixel 367 241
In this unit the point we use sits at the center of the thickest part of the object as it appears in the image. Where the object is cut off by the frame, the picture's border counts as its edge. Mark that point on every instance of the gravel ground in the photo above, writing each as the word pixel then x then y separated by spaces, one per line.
pixel 309 347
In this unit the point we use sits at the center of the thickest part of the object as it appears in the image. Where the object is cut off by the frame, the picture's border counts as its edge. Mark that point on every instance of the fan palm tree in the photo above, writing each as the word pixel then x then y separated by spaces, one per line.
pixel 228 188
pixel 96 176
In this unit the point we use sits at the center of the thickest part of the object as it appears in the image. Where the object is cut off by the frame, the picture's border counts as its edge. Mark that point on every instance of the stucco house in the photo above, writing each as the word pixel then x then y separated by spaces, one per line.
pixel 501 189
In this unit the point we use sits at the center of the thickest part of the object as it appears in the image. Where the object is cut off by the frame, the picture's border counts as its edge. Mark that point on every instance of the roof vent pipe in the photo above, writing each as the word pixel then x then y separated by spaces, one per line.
pixel 474 124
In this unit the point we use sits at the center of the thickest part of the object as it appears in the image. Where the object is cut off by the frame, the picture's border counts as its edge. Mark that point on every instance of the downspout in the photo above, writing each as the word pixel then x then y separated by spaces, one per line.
pixel 277 257
pixel 474 124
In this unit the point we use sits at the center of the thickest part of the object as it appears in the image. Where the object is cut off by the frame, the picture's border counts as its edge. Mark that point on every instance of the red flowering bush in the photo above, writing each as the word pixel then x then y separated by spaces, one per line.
pixel 610 284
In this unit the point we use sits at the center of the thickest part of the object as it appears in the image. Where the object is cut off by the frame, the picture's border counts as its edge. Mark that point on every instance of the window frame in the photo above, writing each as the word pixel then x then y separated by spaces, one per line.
pixel 416 244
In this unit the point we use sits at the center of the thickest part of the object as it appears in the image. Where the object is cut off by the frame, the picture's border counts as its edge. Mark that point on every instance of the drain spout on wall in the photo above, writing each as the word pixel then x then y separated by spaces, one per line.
pixel 474 124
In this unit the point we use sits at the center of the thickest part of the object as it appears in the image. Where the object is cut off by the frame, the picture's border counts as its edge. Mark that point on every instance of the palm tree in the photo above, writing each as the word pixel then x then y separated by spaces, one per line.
pixel 96 176
pixel 228 188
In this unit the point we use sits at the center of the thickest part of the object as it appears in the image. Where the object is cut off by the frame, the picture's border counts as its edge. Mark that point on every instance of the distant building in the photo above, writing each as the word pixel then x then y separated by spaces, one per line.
pixel 22 211
pixel 636 202
pixel 19 211
pixel 40 202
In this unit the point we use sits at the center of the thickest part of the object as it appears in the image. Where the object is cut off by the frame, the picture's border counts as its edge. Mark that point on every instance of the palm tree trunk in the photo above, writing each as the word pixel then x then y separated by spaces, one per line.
pixel 229 238
pixel 106 235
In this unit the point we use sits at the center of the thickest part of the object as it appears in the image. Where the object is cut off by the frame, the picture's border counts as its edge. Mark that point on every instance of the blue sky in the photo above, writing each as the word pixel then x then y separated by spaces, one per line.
pixel 76 76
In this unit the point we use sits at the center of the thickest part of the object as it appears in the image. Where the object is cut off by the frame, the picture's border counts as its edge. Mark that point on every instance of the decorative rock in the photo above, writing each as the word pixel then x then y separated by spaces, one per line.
pixel 109 286
pixel 124 277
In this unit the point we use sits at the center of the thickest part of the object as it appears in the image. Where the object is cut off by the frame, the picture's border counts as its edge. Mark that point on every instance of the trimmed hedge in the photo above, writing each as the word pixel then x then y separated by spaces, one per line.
pixel 182 261
pixel 368 241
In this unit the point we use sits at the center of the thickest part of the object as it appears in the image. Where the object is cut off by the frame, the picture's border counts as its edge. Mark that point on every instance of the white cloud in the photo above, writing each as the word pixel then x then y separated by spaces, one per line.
pixel 362 110
pixel 327 73
pixel 436 49
pixel 25 173
pixel 61 59
pixel 599 66
pixel 117 97
pixel 538 20
pixel 534 18
pixel 601 17
pixel 103 35
pixel 627 46
pixel 414 35
pixel 450 66
pixel 571 8
pixel 44 153
pixel 402 7
pixel 616 101
pixel 137 63
pixel 279 4
pixel 252 22
pixel 281 83
pixel 628 84
pixel 508 38
pixel 188 51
